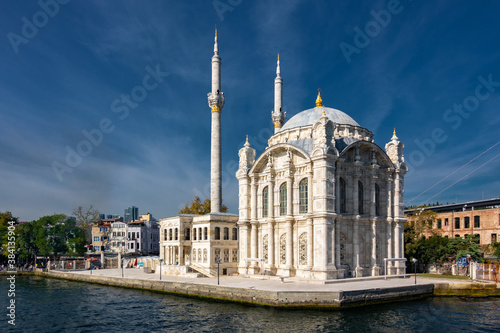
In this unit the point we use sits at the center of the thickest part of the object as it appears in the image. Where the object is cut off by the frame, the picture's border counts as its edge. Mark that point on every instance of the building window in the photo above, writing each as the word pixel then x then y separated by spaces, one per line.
pixel 169 234
pixel 446 222
pixel 226 255
pixel 457 236
pixel 217 234
pixel 205 232
pixel 200 235
pixel 129 235
pixel 493 238
pixel 123 244
pixel 235 233
pixel 457 222
pixel 164 234
pixel 187 234
pixel 226 233
pixel 466 222
pixel 265 194
pixel 96 238
pixel 342 196
pixel 131 246
pixel 377 200
pixel 96 248
pixel 303 193
pixel 204 255
pixel 477 238
pixel 235 255
pixel 360 198
pixel 283 196
pixel 439 224
pixel 194 233
pixel 477 223
pixel 217 255
pixel 176 233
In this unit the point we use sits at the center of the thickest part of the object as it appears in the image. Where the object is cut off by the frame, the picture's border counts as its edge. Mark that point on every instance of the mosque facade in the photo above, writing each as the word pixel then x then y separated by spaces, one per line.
pixel 323 201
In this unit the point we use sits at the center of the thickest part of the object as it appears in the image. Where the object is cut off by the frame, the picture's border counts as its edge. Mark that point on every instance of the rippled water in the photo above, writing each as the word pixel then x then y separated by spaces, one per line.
pixel 50 305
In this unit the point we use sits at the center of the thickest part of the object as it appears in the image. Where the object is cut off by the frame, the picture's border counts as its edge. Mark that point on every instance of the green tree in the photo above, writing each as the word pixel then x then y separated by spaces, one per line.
pixel 5 218
pixel 460 247
pixel 199 208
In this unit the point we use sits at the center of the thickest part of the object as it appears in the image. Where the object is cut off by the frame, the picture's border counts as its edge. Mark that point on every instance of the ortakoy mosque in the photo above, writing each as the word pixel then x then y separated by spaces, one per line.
pixel 322 202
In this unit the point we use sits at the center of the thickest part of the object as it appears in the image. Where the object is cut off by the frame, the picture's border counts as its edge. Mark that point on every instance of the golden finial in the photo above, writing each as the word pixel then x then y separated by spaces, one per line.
pixel 215 32
pixel 277 124
pixel 324 113
pixel 394 133
pixel 319 101
pixel 278 57
pixel 247 137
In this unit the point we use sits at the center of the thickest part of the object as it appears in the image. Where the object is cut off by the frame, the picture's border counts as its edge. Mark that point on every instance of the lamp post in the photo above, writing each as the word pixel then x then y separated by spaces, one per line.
pixel 161 260
pixel 468 266
pixel 415 264
pixel 218 263
pixel 122 267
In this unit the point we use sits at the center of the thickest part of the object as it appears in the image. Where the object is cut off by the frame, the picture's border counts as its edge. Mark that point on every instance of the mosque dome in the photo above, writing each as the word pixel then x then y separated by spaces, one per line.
pixel 311 116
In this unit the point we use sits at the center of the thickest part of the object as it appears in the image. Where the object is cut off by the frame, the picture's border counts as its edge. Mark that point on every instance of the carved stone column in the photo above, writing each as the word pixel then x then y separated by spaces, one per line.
pixel 289 244
pixel 310 245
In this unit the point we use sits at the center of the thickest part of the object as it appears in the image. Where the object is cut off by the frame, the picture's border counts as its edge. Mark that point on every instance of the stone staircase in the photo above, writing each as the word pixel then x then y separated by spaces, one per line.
pixel 203 270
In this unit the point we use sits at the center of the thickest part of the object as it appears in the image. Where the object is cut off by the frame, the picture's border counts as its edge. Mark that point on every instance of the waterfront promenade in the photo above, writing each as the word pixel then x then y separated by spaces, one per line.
pixel 292 292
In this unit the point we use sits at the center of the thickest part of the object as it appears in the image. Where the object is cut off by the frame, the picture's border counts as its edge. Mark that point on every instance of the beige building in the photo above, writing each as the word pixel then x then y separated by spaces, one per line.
pixel 480 218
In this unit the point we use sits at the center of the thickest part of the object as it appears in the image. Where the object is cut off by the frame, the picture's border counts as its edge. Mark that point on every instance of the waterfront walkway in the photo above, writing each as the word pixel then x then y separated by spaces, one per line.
pixel 268 283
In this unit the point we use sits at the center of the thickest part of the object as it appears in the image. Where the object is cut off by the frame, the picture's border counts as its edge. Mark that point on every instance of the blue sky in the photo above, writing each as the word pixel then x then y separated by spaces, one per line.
pixel 66 71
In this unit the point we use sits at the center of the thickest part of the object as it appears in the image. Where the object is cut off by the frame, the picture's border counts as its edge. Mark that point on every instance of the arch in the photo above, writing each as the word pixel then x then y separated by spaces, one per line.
pixel 217 233
pixel 303 196
pixel 265 201
pixel 382 158
pixel 283 199
pixel 261 161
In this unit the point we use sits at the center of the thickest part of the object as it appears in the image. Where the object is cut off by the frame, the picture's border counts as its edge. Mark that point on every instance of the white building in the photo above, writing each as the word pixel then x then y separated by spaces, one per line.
pixel 143 237
pixel 202 243
pixel 323 201
pixel 118 237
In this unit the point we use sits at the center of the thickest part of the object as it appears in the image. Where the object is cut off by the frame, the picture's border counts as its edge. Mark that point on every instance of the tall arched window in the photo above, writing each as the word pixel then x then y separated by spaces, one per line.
pixel 283 199
pixel 217 233
pixel 360 198
pixel 303 192
pixel 377 200
pixel 342 196
pixel 265 194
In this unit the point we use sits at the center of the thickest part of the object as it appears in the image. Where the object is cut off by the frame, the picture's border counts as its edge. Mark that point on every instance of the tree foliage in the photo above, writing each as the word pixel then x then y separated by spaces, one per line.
pixel 5 218
pixel 199 208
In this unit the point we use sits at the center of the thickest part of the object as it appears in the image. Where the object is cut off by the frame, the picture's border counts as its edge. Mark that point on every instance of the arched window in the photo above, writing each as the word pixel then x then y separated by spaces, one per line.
pixel 226 233
pixel 303 193
pixel 199 234
pixel 342 196
pixel 235 233
pixel 205 232
pixel 360 198
pixel 265 201
pixel 194 233
pixel 283 200
pixel 176 234
pixel 377 200
pixel 217 233
pixel 187 234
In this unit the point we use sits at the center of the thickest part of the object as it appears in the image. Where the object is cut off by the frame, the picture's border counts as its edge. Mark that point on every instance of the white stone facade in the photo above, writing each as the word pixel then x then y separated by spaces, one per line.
pixel 323 201
pixel 196 242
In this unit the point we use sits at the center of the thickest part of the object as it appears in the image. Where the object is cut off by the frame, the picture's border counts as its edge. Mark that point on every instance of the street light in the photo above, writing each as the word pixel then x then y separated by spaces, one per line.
pixel 415 264
pixel 218 263
pixel 161 260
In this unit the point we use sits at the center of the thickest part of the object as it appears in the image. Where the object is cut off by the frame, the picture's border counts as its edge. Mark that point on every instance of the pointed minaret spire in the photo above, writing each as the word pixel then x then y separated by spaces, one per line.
pixel 278 116
pixel 216 103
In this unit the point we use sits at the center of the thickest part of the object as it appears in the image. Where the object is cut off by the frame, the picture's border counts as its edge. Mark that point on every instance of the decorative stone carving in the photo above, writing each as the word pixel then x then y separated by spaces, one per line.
pixel 235 255
pixel 265 244
pixel 204 255
pixel 303 249
pixel 283 249
pixel 226 255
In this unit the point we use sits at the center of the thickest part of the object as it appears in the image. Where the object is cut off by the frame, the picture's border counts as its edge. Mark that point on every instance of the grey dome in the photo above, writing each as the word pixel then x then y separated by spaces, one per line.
pixel 311 116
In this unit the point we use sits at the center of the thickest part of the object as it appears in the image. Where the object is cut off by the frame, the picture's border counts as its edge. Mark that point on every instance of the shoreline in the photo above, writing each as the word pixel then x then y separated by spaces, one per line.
pixel 289 295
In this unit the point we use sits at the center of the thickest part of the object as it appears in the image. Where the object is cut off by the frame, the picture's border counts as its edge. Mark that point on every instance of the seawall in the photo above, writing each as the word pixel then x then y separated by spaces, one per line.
pixel 288 299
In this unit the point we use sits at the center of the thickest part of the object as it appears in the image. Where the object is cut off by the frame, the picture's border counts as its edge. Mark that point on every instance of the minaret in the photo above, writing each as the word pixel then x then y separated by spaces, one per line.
pixel 216 103
pixel 278 116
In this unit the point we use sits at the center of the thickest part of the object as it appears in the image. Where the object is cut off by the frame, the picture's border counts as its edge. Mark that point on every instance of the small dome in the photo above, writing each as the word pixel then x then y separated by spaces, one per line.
pixel 311 116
